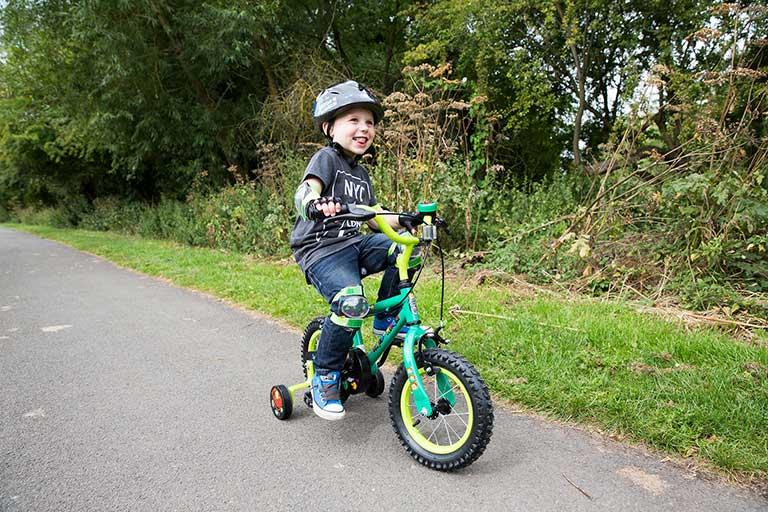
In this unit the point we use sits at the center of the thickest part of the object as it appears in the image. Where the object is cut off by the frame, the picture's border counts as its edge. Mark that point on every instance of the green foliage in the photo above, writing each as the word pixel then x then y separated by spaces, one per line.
pixel 243 217
pixel 524 223
pixel 485 42
pixel 41 216
pixel 581 141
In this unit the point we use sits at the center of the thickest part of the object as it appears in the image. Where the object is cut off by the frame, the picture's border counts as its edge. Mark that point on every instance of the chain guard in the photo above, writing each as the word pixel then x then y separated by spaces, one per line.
pixel 356 375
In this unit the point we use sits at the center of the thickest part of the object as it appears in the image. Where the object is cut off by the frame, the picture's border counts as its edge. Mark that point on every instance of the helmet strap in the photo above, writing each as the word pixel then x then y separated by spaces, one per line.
pixel 369 155
pixel 328 132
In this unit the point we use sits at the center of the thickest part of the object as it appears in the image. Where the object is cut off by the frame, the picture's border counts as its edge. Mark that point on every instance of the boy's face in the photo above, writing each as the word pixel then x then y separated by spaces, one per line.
pixel 354 130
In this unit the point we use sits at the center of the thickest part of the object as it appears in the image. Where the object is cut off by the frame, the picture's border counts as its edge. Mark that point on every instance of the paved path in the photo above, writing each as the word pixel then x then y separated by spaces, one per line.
pixel 121 392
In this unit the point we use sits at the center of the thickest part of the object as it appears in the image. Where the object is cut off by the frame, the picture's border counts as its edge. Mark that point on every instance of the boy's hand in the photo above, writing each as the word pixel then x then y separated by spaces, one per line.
pixel 323 207
pixel 410 221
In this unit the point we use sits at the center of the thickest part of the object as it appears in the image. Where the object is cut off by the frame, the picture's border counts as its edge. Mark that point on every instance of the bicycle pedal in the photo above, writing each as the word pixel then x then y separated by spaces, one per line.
pixel 308 398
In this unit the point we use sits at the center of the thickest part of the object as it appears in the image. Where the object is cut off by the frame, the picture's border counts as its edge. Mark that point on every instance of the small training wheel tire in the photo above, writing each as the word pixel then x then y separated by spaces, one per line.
pixel 281 402
pixel 376 387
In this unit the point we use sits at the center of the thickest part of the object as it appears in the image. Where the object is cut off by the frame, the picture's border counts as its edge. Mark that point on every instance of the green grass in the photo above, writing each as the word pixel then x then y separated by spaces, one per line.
pixel 695 393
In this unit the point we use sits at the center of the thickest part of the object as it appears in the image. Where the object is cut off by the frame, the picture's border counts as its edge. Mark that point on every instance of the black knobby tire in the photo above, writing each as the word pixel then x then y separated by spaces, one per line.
pixel 307 352
pixel 473 401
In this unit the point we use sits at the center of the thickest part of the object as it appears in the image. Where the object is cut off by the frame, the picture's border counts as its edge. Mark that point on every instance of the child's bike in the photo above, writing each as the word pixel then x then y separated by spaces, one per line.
pixel 439 405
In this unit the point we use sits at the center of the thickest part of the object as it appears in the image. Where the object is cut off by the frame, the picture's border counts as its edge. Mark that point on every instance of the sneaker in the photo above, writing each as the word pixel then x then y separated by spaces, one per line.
pixel 325 396
pixel 381 325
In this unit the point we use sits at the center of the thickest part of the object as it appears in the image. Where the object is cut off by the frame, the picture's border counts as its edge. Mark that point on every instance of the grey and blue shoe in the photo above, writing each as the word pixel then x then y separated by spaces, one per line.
pixel 381 324
pixel 326 397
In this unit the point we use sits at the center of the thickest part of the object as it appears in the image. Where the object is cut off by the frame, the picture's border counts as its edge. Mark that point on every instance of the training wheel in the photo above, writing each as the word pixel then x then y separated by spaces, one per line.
pixel 281 402
pixel 376 387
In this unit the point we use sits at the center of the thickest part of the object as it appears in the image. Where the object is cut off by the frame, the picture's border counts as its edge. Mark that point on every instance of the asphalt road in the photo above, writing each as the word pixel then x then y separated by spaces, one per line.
pixel 122 392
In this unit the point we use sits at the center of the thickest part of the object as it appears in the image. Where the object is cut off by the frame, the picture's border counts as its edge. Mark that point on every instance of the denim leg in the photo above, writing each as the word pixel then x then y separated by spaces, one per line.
pixel 375 257
pixel 330 275
pixel 341 270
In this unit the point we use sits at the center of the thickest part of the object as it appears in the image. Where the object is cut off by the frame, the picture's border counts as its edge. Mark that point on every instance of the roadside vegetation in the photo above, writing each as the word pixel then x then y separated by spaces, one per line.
pixel 689 391
pixel 615 149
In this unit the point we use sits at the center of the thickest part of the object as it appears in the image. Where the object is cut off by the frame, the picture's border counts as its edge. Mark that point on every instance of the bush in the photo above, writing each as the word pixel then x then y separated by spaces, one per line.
pixel 521 226
pixel 43 216
pixel 242 218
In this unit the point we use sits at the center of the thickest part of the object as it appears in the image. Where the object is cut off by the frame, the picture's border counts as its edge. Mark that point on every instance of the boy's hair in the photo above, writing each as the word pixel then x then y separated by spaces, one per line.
pixel 339 98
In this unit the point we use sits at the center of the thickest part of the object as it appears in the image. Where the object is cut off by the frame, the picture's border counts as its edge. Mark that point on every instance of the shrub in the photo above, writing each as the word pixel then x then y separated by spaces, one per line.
pixel 43 216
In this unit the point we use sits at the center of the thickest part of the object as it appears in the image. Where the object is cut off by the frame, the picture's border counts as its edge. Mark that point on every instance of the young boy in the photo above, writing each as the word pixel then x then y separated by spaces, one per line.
pixel 334 255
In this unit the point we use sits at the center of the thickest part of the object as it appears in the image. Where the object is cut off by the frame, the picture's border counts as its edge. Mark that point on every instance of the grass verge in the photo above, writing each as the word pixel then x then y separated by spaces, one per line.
pixel 695 393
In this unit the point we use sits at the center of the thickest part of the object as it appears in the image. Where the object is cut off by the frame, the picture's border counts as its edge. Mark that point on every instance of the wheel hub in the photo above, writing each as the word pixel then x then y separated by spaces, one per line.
pixel 442 406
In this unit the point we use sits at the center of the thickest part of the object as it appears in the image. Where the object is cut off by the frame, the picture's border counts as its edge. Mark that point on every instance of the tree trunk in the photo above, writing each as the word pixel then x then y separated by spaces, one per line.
pixel 579 113
pixel 202 92
pixel 389 81
pixel 337 44
pixel 197 85
pixel 581 81
pixel 269 73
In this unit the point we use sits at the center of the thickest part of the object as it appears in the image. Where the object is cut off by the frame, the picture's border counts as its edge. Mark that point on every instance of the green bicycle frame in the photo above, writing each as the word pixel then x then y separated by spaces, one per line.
pixel 409 316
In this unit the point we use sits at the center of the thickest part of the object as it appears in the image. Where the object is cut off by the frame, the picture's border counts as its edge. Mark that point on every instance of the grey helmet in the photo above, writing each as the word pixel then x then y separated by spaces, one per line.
pixel 343 96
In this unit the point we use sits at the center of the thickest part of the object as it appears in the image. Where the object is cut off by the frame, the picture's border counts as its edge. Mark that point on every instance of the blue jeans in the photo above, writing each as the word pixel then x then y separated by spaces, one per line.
pixel 340 270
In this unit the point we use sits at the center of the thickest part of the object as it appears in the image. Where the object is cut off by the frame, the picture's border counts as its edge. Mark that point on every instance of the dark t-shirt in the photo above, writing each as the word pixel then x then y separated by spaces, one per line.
pixel 312 240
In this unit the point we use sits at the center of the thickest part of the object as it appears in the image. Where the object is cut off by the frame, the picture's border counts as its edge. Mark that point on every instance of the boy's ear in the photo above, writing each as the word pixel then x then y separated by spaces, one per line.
pixel 328 128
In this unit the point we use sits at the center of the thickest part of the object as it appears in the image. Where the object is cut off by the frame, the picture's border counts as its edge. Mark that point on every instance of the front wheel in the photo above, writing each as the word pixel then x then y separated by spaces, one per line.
pixel 459 430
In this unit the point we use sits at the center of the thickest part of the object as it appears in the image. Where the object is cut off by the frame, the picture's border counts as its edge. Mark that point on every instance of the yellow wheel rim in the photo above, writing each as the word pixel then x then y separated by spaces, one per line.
pixel 312 345
pixel 448 432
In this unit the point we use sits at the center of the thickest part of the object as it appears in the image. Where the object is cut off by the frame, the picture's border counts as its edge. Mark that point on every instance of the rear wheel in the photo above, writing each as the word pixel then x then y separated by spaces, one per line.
pixel 376 386
pixel 309 342
pixel 459 429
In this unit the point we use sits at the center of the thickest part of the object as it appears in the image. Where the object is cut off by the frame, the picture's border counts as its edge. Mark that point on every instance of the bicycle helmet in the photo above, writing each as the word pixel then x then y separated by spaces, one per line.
pixel 341 97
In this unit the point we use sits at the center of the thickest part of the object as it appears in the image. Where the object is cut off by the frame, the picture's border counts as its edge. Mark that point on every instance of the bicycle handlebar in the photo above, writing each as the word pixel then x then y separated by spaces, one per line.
pixel 362 213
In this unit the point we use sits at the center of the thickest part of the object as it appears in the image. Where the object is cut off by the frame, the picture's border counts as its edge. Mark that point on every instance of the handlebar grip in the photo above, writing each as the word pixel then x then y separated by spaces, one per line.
pixel 314 214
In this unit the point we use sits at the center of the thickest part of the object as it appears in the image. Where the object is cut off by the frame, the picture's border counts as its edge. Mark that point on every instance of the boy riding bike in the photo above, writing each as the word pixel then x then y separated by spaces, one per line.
pixel 335 256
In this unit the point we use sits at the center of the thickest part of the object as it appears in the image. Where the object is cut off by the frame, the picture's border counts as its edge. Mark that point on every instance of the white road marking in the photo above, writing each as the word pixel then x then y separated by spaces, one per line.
pixel 55 328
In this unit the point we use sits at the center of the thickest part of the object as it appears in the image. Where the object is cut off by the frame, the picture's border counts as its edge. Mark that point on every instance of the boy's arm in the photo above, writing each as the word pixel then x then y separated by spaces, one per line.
pixel 306 197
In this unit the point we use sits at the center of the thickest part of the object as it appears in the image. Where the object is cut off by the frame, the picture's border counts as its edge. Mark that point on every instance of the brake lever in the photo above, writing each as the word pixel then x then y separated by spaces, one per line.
pixel 442 224
pixel 351 212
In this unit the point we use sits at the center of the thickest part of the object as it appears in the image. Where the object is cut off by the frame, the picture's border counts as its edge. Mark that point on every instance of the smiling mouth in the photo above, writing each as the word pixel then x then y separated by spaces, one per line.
pixel 360 140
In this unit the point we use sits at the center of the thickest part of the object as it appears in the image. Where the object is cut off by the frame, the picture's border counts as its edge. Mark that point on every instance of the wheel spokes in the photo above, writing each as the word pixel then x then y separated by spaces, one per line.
pixel 441 430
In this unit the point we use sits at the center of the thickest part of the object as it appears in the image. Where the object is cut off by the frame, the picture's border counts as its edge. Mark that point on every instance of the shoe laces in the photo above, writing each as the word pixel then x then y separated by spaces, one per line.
pixel 329 388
